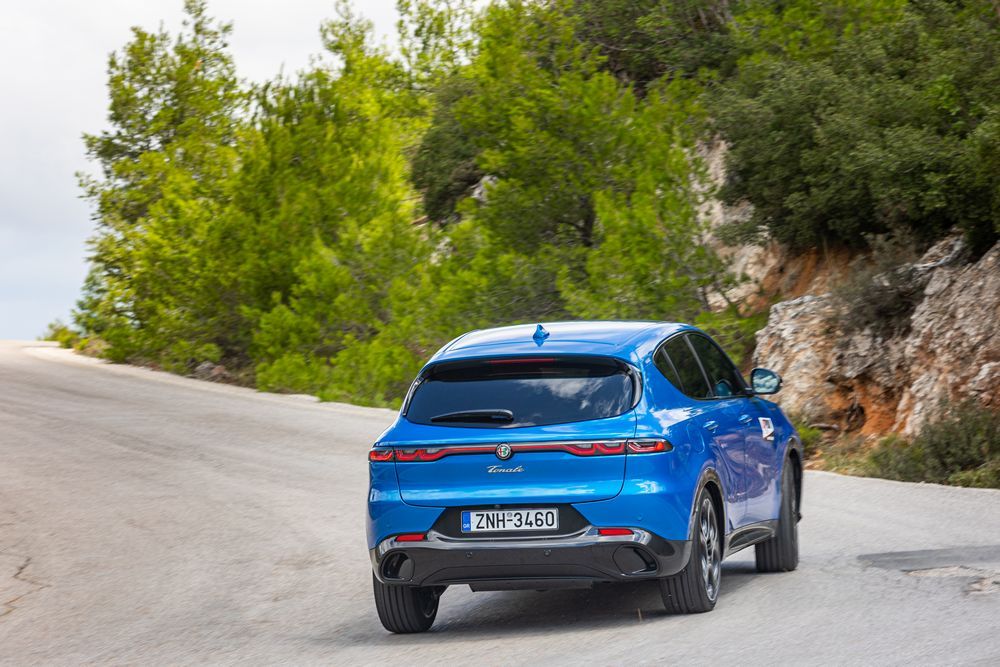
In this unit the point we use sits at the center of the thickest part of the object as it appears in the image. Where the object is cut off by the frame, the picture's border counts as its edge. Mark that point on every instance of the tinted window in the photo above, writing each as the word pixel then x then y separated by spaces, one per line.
pixel 501 393
pixel 723 376
pixel 692 380
pixel 662 362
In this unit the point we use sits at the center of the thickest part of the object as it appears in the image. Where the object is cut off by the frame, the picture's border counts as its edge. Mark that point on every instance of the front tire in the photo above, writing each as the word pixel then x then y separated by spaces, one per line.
pixel 405 609
pixel 695 589
pixel 781 552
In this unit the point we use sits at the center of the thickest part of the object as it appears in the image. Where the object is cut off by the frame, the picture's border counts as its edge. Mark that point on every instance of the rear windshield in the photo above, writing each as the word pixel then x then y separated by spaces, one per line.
pixel 505 393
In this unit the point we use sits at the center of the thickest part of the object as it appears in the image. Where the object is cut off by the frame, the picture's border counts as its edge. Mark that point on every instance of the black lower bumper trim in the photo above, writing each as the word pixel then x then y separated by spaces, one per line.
pixel 548 565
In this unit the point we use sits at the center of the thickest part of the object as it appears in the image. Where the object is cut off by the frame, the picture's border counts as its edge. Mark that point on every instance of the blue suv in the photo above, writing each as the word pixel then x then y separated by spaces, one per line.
pixel 563 454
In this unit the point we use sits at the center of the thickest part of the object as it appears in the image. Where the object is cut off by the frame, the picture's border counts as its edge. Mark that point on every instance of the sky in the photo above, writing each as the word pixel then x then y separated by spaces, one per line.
pixel 53 61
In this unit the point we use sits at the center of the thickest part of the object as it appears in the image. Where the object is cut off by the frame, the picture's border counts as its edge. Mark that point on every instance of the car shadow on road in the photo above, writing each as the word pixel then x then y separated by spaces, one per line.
pixel 546 612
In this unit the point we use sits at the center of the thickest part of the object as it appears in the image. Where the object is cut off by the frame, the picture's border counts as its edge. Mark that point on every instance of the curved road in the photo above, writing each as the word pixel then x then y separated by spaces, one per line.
pixel 152 519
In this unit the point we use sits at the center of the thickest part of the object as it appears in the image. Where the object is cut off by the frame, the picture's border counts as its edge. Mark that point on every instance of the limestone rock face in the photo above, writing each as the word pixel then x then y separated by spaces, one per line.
pixel 796 344
pixel 953 349
pixel 867 382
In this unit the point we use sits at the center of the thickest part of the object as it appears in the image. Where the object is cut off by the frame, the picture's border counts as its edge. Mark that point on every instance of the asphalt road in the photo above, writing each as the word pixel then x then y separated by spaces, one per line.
pixel 151 519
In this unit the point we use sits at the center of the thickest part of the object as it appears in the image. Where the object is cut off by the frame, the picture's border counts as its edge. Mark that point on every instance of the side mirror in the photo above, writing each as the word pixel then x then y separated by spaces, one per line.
pixel 764 381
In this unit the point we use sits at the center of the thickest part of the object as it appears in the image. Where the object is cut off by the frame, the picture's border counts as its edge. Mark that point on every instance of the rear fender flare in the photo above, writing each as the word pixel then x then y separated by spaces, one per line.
pixel 794 457
pixel 708 476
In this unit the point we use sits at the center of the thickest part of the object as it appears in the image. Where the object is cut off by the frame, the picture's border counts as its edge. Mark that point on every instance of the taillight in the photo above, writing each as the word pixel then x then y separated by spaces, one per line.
pixel 411 537
pixel 614 532
pixel 409 455
pixel 602 448
pixel 575 448
pixel 599 448
pixel 648 446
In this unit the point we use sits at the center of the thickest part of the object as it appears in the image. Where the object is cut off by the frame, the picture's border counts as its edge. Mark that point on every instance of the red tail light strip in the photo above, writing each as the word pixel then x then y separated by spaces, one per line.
pixel 603 448
pixel 648 446
pixel 576 448
pixel 408 455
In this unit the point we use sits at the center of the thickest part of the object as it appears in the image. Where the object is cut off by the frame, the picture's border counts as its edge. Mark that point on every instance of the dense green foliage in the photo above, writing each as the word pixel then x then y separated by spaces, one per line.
pixel 961 447
pixel 868 126
pixel 644 40
pixel 165 163
pixel 843 118
pixel 518 162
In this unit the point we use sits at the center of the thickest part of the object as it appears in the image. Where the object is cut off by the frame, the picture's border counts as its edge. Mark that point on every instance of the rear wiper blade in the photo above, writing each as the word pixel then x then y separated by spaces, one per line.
pixel 476 416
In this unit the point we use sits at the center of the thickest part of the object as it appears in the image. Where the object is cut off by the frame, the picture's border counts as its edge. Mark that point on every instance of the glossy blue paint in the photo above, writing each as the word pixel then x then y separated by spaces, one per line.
pixel 654 492
pixel 550 477
pixel 386 509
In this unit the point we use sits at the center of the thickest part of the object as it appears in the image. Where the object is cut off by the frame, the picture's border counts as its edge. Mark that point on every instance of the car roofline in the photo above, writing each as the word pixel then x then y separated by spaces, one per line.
pixel 624 348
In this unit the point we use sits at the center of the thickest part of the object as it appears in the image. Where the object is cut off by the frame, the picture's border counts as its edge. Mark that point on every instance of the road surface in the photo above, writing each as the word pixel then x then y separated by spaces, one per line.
pixel 152 519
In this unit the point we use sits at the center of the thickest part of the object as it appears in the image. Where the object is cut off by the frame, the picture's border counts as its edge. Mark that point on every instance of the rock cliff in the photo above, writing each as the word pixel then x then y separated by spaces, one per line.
pixel 872 382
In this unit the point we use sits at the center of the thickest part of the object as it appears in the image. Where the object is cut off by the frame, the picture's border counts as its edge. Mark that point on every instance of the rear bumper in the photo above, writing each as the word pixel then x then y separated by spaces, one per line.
pixel 581 559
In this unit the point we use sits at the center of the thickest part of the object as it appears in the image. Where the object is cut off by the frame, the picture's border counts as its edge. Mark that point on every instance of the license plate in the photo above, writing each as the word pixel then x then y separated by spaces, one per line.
pixel 486 521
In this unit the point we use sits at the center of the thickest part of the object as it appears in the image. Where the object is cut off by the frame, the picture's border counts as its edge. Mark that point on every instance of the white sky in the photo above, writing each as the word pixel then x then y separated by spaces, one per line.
pixel 53 57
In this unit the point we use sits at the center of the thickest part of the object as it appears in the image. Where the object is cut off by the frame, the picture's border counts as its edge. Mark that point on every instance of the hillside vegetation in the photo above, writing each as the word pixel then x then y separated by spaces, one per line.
pixel 326 232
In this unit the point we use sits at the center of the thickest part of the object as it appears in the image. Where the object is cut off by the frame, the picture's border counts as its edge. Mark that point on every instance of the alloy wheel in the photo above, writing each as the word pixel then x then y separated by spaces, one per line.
pixel 710 548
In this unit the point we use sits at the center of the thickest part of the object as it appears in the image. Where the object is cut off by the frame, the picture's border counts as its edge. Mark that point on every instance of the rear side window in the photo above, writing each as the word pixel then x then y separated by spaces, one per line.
pixel 504 393
pixel 666 367
pixel 688 371
pixel 724 377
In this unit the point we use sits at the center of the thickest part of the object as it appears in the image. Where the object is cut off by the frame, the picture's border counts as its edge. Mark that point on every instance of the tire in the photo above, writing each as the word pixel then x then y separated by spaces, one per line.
pixel 781 552
pixel 406 609
pixel 695 589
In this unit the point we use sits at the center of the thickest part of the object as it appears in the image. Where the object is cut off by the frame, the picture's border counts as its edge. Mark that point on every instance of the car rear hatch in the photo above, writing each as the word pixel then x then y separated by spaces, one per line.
pixel 516 431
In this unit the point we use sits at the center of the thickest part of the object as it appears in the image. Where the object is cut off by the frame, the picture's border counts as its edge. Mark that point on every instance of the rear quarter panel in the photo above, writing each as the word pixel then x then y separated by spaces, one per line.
pixel 659 489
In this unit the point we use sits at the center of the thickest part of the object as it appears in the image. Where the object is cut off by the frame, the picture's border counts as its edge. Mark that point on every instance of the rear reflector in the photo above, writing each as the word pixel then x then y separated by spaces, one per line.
pixel 380 455
pixel 411 537
pixel 614 532
pixel 648 446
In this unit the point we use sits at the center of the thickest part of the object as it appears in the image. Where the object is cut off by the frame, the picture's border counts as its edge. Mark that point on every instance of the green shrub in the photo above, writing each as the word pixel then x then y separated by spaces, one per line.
pixel 896 458
pixel 847 456
pixel 961 447
pixel 986 476
pixel 964 439
pixel 62 334
pixel 811 437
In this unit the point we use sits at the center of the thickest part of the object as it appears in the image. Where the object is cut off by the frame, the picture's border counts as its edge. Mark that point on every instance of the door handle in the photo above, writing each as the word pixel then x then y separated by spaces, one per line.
pixel 745 419
pixel 711 425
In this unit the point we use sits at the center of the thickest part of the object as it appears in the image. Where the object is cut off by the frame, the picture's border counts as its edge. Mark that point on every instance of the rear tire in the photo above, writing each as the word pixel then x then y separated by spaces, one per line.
pixel 695 589
pixel 406 609
pixel 781 552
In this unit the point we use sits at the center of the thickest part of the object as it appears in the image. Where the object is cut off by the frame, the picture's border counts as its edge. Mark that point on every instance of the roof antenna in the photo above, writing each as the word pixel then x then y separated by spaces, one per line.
pixel 540 335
